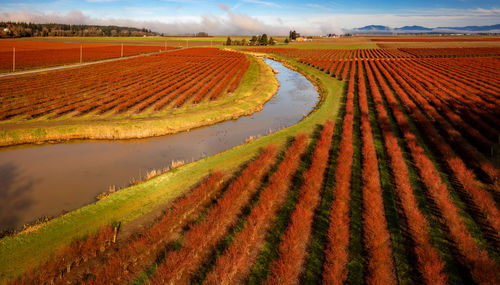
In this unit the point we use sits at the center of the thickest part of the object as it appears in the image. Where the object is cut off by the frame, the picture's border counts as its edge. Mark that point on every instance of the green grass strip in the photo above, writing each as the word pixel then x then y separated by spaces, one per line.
pixel 315 259
pixel 226 242
pixel 269 251
pixel 469 222
pixel 457 274
pixel 400 254
pixel 356 265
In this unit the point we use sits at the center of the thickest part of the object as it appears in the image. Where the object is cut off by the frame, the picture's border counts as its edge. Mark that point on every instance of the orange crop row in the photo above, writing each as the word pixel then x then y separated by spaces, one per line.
pixel 416 135
pixel 452 52
pixel 199 241
pixel 436 39
pixel 376 234
pixel 482 267
pixel 133 85
pixel 29 55
pixel 236 262
pixel 286 269
pixel 337 250
pixel 84 252
pixel 429 262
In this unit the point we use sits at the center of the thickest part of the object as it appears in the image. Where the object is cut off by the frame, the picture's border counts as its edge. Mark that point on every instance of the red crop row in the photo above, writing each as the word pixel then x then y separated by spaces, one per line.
pixel 292 249
pixel 337 250
pixel 421 83
pixel 453 102
pixel 224 79
pixel 456 118
pixel 131 85
pixel 199 241
pixel 452 52
pixel 7 45
pixel 376 234
pixel 483 268
pixel 78 252
pixel 323 58
pixel 481 70
pixel 436 39
pixel 331 54
pixel 236 262
pixel 337 68
pixel 465 97
pixel 36 54
pixel 239 76
pixel 92 247
pixel 480 81
pixel 137 254
pixel 429 262
pixel 471 153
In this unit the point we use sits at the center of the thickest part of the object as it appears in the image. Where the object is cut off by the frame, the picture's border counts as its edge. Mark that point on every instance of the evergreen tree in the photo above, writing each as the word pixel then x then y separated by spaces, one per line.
pixel 263 40
pixel 253 41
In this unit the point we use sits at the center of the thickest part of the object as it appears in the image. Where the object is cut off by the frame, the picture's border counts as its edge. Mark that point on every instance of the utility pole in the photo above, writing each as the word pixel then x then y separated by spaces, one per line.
pixel 81 53
pixel 122 51
pixel 13 59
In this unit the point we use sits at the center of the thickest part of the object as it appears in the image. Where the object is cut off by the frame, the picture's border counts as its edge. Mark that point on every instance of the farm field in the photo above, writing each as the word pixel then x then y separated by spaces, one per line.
pixel 173 41
pixel 436 42
pixel 38 54
pixel 159 91
pixel 178 78
pixel 392 179
pixel 435 39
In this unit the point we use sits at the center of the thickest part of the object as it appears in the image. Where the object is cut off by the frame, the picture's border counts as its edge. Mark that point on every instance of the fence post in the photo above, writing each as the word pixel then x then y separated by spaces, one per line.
pixel 13 59
pixel 81 53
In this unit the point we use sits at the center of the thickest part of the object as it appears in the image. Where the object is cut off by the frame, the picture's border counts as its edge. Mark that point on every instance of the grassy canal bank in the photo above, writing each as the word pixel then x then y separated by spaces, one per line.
pixel 257 87
pixel 133 203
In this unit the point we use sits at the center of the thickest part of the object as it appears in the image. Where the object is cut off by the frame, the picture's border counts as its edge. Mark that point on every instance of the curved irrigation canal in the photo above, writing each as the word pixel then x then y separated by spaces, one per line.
pixel 47 180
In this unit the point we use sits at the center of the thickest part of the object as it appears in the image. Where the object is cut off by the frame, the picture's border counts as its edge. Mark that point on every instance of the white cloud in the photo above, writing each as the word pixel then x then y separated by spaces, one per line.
pixel 492 11
pixel 235 23
pixel 229 24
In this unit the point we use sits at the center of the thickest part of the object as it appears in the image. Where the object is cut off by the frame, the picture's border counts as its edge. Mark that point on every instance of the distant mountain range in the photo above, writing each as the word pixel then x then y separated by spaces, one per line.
pixel 378 29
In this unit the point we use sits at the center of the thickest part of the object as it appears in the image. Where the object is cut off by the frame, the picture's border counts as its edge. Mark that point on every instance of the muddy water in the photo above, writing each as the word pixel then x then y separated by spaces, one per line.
pixel 47 180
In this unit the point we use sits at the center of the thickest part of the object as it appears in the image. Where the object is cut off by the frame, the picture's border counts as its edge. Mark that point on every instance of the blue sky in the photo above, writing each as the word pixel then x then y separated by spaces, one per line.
pixel 254 16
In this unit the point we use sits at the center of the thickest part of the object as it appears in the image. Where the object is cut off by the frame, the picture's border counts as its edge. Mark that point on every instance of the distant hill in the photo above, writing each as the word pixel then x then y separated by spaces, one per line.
pixel 379 29
pixel 374 28
pixel 413 28
pixel 473 28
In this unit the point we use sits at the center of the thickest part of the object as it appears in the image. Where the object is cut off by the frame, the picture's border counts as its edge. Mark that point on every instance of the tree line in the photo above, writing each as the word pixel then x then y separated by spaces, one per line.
pixel 260 40
pixel 21 29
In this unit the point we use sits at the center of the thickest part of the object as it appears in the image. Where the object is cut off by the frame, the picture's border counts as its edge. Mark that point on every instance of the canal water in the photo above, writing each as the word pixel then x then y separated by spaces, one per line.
pixel 47 180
